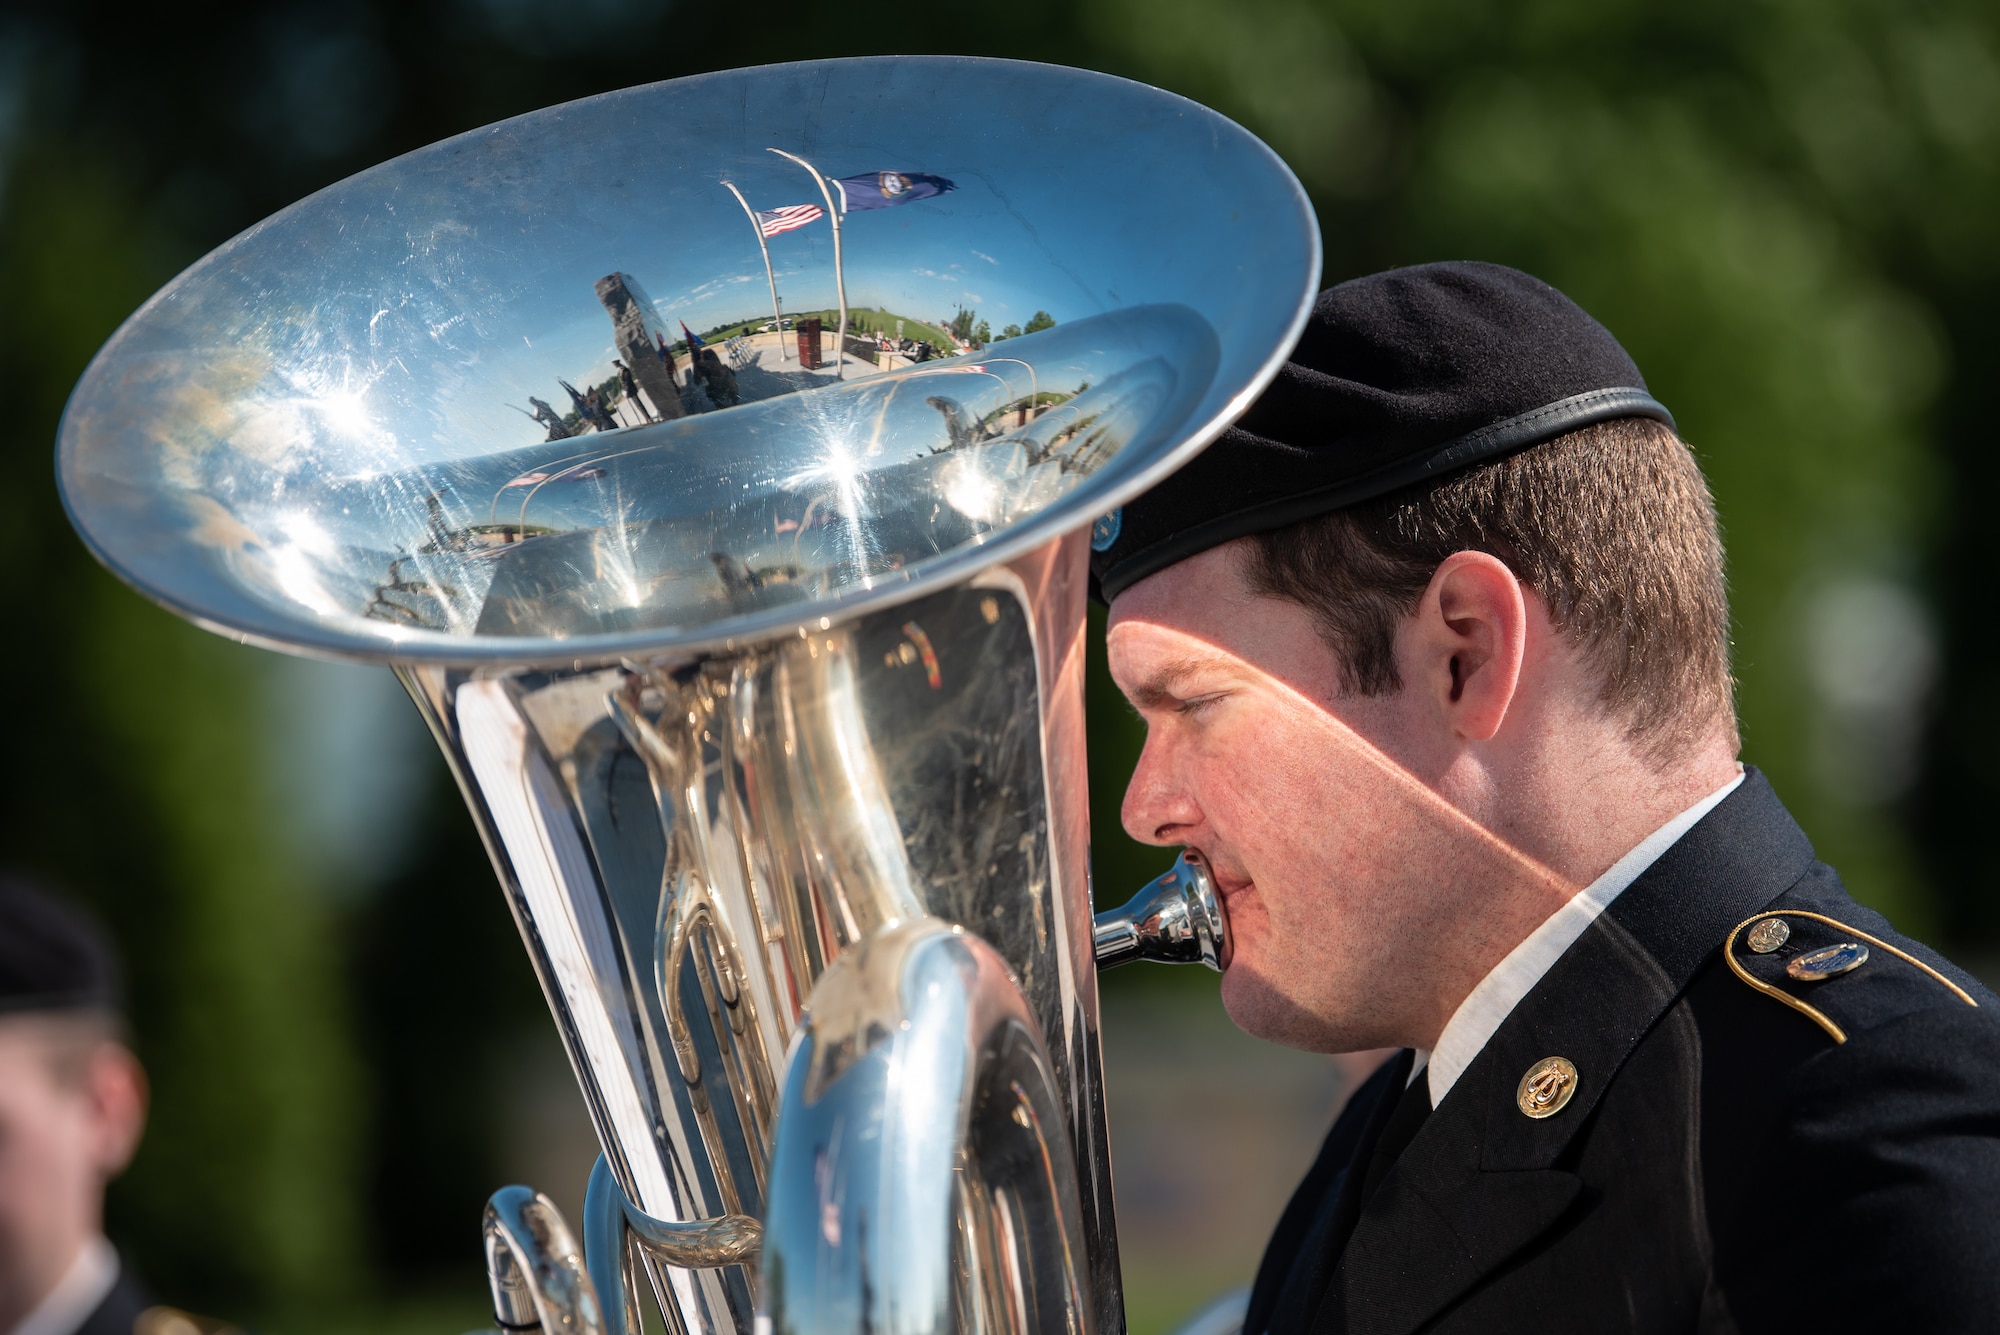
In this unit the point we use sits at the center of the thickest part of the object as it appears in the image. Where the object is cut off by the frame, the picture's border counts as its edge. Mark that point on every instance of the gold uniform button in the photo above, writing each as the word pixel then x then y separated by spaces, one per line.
pixel 1546 1088
pixel 1768 935
pixel 1828 961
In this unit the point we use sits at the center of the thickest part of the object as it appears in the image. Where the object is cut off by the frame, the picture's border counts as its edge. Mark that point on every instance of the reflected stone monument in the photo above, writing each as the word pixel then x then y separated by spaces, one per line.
pixel 638 342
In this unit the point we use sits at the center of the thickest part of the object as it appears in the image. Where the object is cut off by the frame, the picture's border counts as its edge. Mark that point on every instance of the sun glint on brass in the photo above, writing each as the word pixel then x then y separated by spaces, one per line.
pixel 1768 935
pixel 1546 1088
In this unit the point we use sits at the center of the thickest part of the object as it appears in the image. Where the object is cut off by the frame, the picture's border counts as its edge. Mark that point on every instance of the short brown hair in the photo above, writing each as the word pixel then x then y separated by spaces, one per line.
pixel 1612 526
pixel 69 1040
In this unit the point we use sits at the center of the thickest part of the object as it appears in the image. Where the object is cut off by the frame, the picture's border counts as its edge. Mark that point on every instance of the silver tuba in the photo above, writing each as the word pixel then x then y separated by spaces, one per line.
pixel 758 654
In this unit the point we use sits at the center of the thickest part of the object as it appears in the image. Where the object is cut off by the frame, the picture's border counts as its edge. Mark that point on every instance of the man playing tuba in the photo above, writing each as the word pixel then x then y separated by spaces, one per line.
pixel 1432 649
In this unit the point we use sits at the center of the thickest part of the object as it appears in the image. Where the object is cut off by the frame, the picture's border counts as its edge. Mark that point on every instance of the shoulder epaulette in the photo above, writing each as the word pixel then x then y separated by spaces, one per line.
pixel 1786 953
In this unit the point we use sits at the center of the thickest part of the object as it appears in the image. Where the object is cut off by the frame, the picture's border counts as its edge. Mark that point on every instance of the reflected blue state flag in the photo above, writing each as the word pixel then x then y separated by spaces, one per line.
pixel 881 190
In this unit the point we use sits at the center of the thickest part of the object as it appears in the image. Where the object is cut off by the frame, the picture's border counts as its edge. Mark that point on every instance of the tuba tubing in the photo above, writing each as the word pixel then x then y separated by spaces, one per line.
pixel 919 1121
pixel 606 1251
pixel 535 1268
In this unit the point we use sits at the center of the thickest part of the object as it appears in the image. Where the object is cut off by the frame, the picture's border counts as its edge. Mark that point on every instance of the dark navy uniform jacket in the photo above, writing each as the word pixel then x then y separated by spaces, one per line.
pixel 1742 1151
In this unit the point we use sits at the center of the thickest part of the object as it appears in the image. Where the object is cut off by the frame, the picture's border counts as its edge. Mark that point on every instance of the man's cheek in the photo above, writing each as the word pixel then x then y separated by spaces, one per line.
pixel 1266 790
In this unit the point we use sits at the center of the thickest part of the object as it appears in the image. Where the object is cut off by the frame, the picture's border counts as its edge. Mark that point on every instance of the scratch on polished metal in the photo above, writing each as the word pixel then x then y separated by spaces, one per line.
pixel 743 682
pixel 1546 1088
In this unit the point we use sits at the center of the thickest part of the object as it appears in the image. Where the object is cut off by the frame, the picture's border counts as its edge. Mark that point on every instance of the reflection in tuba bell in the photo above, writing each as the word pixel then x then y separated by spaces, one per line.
pixel 761 664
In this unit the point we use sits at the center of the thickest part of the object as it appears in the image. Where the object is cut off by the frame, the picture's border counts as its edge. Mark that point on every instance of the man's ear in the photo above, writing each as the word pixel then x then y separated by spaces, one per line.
pixel 1471 635
pixel 118 1093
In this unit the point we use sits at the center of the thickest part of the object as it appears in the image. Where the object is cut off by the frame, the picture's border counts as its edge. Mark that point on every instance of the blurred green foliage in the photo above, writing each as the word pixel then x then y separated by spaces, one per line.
pixel 1786 213
pixel 137 777
pixel 1786 210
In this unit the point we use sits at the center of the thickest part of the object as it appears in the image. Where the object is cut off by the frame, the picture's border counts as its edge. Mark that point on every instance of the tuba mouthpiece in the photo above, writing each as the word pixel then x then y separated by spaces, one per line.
pixel 1176 919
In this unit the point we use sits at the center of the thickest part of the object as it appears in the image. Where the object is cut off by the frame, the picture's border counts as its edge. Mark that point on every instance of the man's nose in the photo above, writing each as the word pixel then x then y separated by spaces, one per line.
pixel 1158 809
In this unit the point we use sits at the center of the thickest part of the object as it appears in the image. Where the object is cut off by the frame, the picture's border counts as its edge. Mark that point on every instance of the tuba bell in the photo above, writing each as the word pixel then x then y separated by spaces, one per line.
pixel 760 665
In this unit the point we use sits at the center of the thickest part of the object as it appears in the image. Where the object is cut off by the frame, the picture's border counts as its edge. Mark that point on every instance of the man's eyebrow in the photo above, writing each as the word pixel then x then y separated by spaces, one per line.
pixel 1159 688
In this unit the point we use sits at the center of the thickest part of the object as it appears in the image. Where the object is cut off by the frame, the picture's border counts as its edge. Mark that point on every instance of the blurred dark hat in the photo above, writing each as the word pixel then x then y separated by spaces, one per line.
pixel 53 957
pixel 1399 378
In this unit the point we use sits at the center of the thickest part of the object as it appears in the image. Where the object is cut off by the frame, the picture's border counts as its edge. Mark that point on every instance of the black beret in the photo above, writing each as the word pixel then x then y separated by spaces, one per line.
pixel 52 956
pixel 1399 377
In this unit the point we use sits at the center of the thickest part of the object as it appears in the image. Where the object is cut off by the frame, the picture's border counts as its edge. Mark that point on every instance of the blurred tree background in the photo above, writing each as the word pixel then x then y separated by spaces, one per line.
pixel 1786 210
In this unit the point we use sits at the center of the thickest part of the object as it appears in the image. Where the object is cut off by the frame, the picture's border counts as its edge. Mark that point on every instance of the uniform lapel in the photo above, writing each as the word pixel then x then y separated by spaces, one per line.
pixel 1315 1234
pixel 1479 1182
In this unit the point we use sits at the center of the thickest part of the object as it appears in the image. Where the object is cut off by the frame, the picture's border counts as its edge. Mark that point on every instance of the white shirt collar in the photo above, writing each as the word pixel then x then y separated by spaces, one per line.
pixel 77 1294
pixel 1488 1005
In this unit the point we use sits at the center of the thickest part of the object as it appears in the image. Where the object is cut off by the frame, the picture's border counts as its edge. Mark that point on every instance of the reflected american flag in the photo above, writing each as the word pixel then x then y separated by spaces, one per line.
pixel 773 221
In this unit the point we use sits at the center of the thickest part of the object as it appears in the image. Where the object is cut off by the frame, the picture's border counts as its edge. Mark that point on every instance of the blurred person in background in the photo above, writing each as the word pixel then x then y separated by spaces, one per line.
pixel 72 1107
pixel 1432 650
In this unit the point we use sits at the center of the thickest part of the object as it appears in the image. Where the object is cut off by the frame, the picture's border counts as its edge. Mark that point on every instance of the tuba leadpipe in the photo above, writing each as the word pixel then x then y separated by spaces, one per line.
pixel 760 666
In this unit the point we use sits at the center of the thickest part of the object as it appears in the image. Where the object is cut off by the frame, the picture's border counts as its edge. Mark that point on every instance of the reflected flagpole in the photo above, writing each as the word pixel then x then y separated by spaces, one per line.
pixel 777 320
pixel 839 277
pixel 1034 381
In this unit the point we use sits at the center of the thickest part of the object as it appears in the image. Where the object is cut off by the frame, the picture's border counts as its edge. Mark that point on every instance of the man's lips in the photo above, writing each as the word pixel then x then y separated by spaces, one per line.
pixel 1230 890
pixel 1227 883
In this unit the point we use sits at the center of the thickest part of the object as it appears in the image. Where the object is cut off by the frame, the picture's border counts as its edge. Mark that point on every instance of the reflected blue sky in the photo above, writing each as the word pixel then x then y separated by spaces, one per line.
pixel 912 261
pixel 688 244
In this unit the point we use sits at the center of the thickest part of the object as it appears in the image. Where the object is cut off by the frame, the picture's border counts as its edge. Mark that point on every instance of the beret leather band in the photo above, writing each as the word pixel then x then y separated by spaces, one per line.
pixel 1397 378
pixel 1489 442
